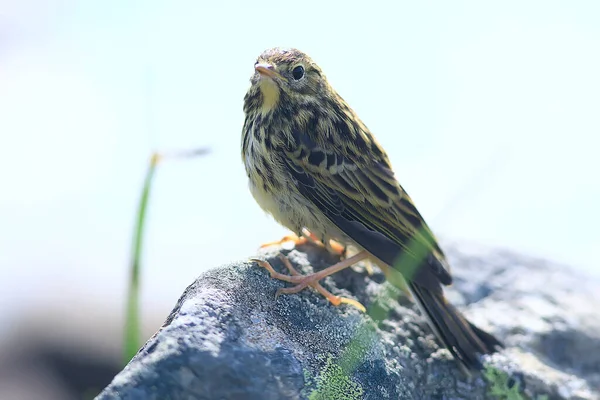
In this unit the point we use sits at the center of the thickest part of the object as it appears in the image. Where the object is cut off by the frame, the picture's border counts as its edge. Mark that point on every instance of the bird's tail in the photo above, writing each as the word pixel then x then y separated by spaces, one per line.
pixel 464 340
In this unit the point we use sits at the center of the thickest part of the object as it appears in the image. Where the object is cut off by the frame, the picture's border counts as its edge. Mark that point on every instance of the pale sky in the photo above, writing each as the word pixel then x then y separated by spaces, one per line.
pixel 489 112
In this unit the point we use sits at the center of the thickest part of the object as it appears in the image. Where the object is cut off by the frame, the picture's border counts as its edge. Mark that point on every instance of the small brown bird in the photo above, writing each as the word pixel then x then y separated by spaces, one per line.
pixel 313 165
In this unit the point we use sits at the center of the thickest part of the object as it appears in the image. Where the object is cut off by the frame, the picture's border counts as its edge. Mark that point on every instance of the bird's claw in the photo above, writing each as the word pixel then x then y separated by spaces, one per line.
pixel 302 282
pixel 293 238
pixel 274 274
pixel 332 246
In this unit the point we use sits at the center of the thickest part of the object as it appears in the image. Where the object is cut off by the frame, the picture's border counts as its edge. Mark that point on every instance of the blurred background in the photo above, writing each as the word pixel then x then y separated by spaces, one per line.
pixel 489 113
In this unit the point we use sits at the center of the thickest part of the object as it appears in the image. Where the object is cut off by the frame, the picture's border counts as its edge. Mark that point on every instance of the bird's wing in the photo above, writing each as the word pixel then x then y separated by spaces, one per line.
pixel 361 196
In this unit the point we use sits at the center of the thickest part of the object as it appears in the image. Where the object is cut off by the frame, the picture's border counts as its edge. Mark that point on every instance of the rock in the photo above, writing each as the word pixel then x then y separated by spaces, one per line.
pixel 229 338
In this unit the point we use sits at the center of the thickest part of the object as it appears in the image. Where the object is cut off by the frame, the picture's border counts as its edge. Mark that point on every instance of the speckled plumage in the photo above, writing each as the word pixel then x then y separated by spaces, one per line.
pixel 312 163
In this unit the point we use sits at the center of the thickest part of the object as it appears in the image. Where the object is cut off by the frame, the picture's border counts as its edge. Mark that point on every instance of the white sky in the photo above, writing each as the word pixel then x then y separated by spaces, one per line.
pixel 488 112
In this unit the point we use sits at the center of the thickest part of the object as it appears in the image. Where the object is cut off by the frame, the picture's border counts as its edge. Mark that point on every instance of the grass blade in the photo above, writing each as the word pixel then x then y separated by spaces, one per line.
pixel 132 317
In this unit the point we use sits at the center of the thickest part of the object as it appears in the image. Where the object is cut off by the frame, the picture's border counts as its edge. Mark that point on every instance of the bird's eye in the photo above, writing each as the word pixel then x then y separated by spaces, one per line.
pixel 298 72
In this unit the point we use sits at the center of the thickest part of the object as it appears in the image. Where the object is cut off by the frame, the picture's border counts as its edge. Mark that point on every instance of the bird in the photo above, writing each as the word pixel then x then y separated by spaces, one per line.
pixel 316 168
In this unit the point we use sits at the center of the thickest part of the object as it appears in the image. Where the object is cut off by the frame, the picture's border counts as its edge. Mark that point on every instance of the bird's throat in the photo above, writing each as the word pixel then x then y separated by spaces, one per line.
pixel 270 92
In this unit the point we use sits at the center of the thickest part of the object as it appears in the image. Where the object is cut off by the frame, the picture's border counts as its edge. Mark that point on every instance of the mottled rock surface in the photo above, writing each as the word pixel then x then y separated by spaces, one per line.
pixel 229 338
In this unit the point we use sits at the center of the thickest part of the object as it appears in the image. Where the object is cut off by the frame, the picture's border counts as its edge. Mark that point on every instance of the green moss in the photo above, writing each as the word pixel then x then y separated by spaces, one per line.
pixel 307 376
pixel 333 383
pixel 502 388
pixel 500 385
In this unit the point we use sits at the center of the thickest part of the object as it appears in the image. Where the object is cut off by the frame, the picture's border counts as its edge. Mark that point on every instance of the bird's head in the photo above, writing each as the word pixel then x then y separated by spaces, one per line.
pixel 284 76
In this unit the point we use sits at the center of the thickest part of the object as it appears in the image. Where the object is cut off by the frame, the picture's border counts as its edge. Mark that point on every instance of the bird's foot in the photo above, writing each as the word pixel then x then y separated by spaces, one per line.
pixel 332 246
pixel 292 238
pixel 312 280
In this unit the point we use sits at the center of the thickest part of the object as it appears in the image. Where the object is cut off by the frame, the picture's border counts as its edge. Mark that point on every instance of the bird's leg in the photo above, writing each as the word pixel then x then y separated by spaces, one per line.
pixel 307 237
pixel 317 276
pixel 297 240
pixel 303 281
pixel 274 274
pixel 336 248
pixel 335 300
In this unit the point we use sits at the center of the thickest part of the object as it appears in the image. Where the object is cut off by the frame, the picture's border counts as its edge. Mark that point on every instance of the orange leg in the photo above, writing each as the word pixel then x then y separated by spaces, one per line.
pixel 335 300
pixel 288 238
pixel 308 237
pixel 336 248
pixel 303 281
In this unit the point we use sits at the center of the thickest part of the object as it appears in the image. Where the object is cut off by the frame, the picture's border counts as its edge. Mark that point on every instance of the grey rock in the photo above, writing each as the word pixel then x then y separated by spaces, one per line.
pixel 229 338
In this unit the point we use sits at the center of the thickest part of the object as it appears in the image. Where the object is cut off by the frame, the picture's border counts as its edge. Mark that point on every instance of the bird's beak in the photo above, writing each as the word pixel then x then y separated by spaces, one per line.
pixel 266 70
